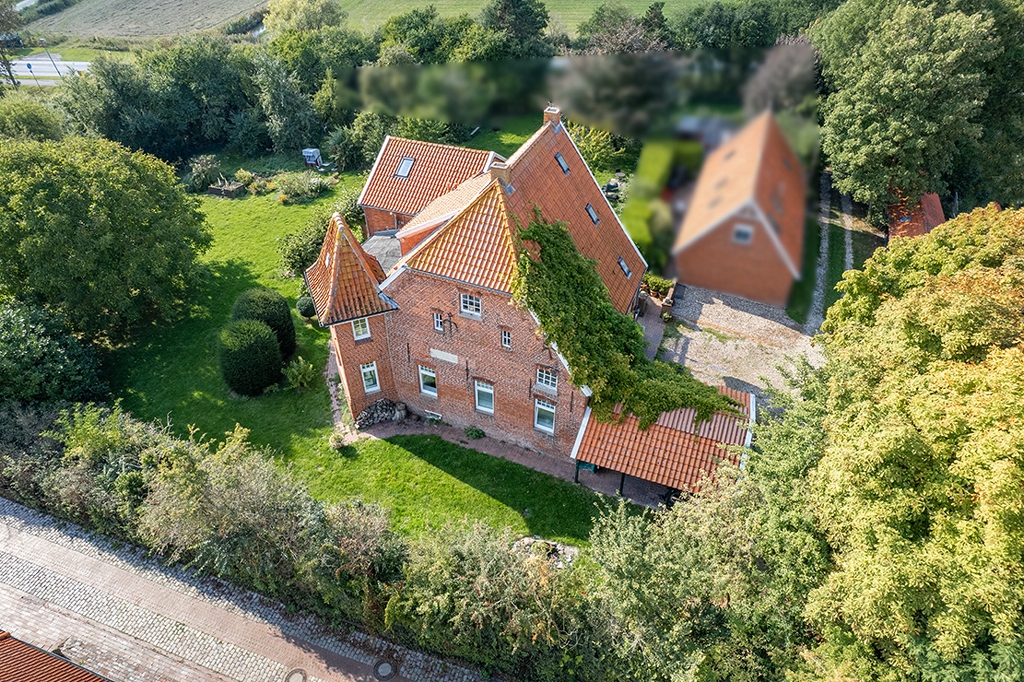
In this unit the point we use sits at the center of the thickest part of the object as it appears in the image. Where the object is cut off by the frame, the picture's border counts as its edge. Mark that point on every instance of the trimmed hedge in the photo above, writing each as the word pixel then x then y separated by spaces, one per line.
pixel 271 308
pixel 305 307
pixel 250 359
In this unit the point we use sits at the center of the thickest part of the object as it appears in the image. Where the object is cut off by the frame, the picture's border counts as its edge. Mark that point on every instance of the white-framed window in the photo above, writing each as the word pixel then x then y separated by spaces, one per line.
pixel 506 338
pixel 428 381
pixel 547 379
pixel 470 304
pixel 438 322
pixel 544 416
pixel 593 214
pixel 625 268
pixel 404 166
pixel 485 397
pixel 742 234
pixel 361 328
pixel 370 382
pixel 561 162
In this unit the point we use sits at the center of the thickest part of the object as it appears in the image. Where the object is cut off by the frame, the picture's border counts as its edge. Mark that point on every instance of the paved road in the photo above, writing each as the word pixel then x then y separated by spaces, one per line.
pixel 43 70
pixel 130 618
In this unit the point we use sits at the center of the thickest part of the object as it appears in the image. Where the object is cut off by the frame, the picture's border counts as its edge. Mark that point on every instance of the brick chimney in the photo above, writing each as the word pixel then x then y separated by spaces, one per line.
pixel 553 115
pixel 500 171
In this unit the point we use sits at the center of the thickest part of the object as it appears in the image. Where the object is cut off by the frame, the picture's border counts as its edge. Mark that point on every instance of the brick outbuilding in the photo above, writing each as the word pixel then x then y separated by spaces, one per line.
pixel 743 230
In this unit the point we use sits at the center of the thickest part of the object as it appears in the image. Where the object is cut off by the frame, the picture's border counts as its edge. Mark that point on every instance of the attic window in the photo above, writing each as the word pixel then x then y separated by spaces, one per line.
pixel 743 234
pixel 625 268
pixel 561 162
pixel 721 183
pixel 785 162
pixel 404 166
pixel 728 155
pixel 508 188
pixel 593 214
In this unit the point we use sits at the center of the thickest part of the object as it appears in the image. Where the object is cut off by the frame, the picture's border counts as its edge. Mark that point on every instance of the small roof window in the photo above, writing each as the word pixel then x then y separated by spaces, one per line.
pixel 593 214
pixel 625 268
pixel 404 167
pixel 561 162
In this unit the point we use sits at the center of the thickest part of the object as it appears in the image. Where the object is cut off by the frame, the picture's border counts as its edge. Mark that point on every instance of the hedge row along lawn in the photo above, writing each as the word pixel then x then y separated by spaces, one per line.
pixel 172 372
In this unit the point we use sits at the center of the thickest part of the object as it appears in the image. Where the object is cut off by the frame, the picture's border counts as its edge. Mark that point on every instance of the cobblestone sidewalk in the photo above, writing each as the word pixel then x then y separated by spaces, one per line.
pixel 104 597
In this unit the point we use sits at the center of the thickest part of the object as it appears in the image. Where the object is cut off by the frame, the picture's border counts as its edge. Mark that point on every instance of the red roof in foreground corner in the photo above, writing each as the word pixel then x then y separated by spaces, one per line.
pixel 673 451
pixel 22 662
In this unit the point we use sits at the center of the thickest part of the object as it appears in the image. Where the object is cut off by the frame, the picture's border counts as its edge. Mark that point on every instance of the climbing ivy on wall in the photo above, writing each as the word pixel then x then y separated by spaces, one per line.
pixel 604 348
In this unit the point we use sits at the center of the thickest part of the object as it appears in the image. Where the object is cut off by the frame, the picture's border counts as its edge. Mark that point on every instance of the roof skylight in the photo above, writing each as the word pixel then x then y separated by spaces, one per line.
pixel 404 167
pixel 593 214
pixel 625 268
pixel 561 162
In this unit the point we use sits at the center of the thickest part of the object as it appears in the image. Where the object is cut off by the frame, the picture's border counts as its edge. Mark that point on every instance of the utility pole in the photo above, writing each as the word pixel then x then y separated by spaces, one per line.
pixel 42 41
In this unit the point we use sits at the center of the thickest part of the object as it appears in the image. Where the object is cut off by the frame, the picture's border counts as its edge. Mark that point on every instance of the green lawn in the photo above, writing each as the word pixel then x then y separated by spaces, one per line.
pixel 803 289
pixel 513 133
pixel 173 373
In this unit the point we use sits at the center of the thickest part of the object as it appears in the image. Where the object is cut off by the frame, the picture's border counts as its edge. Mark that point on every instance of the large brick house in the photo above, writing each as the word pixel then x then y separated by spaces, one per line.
pixel 743 230
pixel 435 326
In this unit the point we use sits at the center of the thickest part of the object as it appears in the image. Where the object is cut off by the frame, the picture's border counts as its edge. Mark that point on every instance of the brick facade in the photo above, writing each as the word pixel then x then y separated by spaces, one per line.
pixel 378 220
pixel 352 354
pixel 754 271
pixel 468 350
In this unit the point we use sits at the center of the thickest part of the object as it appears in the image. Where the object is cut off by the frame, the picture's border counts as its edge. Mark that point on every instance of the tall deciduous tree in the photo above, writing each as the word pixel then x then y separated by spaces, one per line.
pixel 108 237
pixel 9 23
pixel 910 97
pixel 291 120
pixel 522 22
pixel 920 488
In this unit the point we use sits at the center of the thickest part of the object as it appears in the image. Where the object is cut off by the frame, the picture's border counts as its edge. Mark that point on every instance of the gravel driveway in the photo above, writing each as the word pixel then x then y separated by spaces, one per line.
pixel 729 340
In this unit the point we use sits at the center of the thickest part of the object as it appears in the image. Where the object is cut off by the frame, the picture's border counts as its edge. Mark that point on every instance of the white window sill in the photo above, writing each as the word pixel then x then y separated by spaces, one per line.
pixel 546 389
pixel 471 316
pixel 369 391
pixel 541 429
pixel 428 395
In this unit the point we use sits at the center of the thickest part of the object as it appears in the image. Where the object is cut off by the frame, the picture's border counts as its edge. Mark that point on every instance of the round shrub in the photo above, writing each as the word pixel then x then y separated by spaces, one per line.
pixel 250 359
pixel 270 307
pixel 304 306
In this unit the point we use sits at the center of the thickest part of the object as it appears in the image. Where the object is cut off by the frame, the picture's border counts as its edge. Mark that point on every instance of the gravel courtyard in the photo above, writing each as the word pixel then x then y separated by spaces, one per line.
pixel 732 341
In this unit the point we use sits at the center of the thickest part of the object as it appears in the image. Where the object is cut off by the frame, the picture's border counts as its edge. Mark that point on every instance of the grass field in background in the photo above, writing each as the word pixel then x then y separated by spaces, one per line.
pixel 148 18
pixel 172 372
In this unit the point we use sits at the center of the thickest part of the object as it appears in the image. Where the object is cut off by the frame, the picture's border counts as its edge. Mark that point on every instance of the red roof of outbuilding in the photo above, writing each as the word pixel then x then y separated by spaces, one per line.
pixel 674 451
pixel 436 169
pixel 925 216
pixel 22 662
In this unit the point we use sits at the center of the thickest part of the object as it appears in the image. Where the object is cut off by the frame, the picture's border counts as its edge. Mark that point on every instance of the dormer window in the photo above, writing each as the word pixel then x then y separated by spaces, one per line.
pixel 593 214
pixel 404 166
pixel 561 162
pixel 743 234
pixel 625 268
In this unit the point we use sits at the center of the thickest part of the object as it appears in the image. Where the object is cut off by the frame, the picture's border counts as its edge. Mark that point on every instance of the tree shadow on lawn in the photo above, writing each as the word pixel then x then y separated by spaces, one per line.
pixel 173 370
pixel 549 506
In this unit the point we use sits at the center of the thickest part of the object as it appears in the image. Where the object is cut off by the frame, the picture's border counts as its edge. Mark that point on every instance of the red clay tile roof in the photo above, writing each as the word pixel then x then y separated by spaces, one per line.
pixel 343 281
pixel 476 246
pixel 925 216
pixel 22 662
pixel 756 165
pixel 672 451
pixel 436 170
pixel 538 180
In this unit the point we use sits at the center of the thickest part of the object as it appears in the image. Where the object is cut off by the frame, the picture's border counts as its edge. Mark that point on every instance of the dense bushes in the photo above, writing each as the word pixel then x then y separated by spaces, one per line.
pixel 250 358
pixel 271 308
pixel 41 361
pixel 305 307
pixel 230 512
